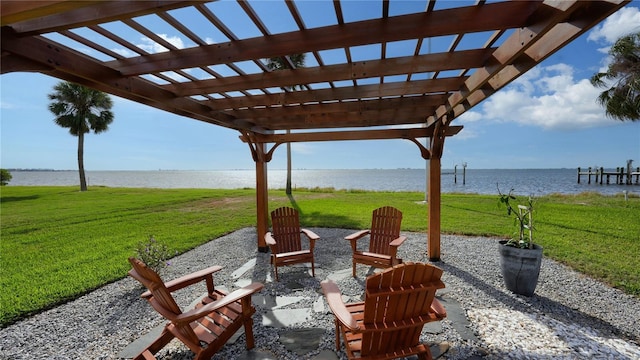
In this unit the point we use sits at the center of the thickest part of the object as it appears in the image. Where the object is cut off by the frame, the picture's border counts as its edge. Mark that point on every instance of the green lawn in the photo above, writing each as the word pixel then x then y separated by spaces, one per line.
pixel 58 243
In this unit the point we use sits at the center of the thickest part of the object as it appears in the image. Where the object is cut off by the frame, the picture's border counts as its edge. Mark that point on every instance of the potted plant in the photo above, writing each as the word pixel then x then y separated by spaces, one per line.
pixel 520 257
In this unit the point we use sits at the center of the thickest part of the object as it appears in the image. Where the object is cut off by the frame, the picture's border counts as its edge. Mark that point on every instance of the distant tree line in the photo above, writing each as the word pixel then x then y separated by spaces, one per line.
pixel 5 177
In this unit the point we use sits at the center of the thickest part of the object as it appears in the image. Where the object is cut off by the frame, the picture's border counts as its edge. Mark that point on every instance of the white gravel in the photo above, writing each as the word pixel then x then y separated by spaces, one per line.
pixel 570 317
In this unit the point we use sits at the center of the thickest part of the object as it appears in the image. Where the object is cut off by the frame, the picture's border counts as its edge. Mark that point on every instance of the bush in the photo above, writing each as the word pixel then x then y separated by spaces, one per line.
pixel 153 254
pixel 5 177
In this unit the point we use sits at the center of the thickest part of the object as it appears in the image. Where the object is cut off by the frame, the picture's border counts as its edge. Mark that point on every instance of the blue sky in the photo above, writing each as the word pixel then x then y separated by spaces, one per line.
pixel 548 118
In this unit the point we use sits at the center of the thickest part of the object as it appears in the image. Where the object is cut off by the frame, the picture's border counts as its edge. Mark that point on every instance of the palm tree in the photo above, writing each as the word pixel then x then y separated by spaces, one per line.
pixel 622 99
pixel 281 63
pixel 81 109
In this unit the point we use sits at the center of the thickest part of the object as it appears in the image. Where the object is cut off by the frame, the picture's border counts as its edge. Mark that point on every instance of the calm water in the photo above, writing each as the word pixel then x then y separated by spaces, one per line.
pixel 481 181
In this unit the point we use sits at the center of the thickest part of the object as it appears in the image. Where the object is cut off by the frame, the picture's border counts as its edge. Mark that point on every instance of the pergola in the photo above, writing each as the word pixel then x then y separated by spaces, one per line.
pixel 405 73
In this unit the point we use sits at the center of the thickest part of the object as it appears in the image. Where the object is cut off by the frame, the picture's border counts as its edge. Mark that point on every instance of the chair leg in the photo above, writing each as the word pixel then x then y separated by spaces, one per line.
pixel 338 335
pixel 354 269
pixel 158 344
pixel 248 330
pixel 426 355
pixel 275 266
pixel 313 268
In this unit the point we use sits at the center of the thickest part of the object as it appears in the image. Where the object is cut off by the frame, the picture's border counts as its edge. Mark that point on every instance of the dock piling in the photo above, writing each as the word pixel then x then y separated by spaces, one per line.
pixel 622 175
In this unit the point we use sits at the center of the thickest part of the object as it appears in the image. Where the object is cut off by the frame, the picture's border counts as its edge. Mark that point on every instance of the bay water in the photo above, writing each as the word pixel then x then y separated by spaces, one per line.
pixel 480 181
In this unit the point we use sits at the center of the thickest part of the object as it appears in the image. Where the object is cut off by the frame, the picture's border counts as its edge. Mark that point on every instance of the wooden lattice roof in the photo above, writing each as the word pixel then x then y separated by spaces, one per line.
pixel 392 75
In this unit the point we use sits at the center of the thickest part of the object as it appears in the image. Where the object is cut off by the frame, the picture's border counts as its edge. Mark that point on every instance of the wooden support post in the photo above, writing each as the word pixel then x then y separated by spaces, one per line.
pixel 464 174
pixel 620 177
pixel 435 179
pixel 435 176
pixel 262 196
pixel 578 175
pixel 601 174
pixel 589 176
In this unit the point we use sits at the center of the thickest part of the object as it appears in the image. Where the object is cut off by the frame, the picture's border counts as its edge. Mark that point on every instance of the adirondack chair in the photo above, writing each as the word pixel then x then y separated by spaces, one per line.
pixel 204 329
pixel 384 240
pixel 387 324
pixel 285 240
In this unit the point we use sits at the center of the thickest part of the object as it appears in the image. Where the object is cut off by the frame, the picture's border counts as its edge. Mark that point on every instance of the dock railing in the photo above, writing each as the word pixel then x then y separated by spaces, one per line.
pixel 621 177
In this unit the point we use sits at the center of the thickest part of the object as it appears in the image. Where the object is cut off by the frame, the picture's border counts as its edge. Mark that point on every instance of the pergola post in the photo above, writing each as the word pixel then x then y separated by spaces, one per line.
pixel 433 240
pixel 435 176
pixel 262 193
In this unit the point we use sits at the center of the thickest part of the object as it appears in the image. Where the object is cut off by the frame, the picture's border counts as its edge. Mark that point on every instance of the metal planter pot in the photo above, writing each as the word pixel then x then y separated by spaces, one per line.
pixel 520 268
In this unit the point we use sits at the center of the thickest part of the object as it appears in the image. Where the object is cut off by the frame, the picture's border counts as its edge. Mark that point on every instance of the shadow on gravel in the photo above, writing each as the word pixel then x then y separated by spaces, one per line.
pixel 541 305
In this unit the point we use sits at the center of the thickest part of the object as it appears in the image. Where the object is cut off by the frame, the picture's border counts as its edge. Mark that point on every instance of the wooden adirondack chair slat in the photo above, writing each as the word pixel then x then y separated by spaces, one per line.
pixel 387 324
pixel 384 240
pixel 212 322
pixel 285 240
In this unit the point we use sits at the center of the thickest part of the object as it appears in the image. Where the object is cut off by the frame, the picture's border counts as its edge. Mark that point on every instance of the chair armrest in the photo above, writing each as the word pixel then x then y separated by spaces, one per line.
pixel 438 309
pixel 233 296
pixel 397 242
pixel 186 280
pixel 357 235
pixel 310 234
pixel 337 306
pixel 268 238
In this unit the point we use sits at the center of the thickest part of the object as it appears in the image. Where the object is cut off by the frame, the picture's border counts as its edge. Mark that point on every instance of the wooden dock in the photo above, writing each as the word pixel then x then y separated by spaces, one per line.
pixel 621 176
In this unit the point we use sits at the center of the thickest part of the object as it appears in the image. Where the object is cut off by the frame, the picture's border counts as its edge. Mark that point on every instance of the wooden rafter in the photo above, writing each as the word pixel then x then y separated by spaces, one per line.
pixel 358 70
pixel 437 23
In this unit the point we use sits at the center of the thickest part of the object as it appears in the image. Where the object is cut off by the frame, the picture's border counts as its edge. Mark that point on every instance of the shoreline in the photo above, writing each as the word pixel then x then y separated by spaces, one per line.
pixel 536 182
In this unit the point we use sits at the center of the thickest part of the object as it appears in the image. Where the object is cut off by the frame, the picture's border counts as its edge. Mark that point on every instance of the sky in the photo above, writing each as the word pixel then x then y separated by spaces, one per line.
pixel 547 118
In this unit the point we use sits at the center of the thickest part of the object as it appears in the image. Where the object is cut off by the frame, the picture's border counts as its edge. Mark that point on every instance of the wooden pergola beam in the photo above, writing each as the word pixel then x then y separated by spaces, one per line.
pixel 437 23
pixel 416 104
pixel 31 17
pixel 372 91
pixel 15 11
pixel 357 70
pixel 353 119
pixel 381 134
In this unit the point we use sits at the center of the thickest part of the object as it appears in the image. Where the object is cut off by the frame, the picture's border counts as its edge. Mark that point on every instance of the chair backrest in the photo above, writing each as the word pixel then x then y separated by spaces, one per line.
pixel 398 298
pixel 385 227
pixel 161 298
pixel 285 223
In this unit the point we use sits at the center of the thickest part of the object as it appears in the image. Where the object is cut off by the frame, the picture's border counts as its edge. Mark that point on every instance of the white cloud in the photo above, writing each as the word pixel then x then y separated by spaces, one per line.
pixel 6 105
pixel 122 51
pixel 468 132
pixel 469 117
pixel 302 148
pixel 623 22
pixel 549 97
pixel 153 47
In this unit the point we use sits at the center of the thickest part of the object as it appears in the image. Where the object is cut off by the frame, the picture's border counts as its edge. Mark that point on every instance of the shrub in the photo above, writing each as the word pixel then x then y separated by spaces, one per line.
pixel 5 177
pixel 154 254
